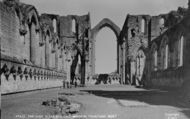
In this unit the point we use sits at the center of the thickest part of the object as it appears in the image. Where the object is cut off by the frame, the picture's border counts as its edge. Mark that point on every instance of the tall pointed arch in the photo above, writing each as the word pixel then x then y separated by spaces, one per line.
pixel 102 24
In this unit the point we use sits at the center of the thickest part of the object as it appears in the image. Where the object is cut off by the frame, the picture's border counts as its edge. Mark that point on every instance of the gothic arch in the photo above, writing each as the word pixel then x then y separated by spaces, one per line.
pixel 164 41
pixel 144 49
pixel 106 23
pixel 48 33
pixel 154 47
pixel 30 13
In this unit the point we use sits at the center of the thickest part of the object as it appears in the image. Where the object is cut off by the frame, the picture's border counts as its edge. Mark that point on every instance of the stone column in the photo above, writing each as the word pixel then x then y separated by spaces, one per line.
pixel 53 60
pixel 50 55
pixel 93 57
pixel 56 58
pixel 123 64
pixel 120 59
pixel 118 64
pixel 38 50
pixel 43 56
pixel 86 71
pixel 63 67
pixel 68 67
pixel 90 58
pixel 132 70
pixel 47 51
pixel 33 44
pixel 60 57
pixel 83 68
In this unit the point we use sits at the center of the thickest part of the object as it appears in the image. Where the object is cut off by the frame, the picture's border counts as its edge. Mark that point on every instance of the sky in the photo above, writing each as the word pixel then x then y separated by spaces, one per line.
pixel 116 10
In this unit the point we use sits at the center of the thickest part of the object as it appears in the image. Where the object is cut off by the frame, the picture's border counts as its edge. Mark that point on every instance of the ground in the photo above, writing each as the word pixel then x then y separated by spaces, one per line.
pixel 100 102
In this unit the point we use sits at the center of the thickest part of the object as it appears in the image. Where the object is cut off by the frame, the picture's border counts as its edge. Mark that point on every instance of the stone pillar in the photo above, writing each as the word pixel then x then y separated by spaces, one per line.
pixel 83 68
pixel 93 57
pixel 53 60
pixel 47 52
pixel 38 48
pixel 60 60
pixel 42 56
pixel 132 71
pixel 86 71
pixel 33 44
pixel 56 58
pixel 118 64
pixel 27 43
pixel 68 67
pixel 63 67
pixel 90 58
pixel 93 42
pixel 50 55
pixel 120 59
pixel 123 64
pixel 60 57
pixel 83 64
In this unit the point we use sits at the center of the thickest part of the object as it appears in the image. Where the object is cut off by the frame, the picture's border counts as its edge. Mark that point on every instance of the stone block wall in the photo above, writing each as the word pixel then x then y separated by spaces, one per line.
pixel 32 54
pixel 72 30
pixel 10 33
pixel 136 33
pixel 176 74
pixel 19 77
pixel 159 24
pixel 140 31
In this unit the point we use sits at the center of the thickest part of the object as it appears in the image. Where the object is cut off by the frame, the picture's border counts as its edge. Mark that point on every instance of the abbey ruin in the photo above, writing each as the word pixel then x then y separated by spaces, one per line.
pixel 40 51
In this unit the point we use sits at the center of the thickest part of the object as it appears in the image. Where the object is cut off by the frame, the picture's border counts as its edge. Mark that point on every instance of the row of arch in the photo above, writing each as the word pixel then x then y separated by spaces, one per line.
pixel 167 56
pixel 37 59
pixel 40 39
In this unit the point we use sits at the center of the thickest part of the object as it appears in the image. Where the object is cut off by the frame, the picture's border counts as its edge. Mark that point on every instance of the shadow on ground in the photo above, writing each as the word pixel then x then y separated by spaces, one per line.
pixel 152 97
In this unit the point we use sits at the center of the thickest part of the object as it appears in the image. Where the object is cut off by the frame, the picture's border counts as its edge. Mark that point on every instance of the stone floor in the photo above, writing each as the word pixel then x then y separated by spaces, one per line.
pixel 99 102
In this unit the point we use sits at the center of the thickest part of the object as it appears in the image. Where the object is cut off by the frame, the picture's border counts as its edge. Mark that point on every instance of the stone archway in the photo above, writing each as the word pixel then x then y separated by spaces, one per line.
pixel 106 23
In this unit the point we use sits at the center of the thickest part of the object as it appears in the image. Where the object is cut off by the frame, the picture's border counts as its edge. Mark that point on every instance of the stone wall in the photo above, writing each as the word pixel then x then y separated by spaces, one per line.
pixel 73 30
pixel 32 54
pixel 39 51
pixel 10 33
pixel 176 74
pixel 135 31
pixel 159 24
pixel 19 77
pixel 140 31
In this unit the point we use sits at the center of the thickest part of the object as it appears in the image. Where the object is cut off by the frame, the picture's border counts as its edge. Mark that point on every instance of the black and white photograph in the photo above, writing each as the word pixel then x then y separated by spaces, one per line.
pixel 95 59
